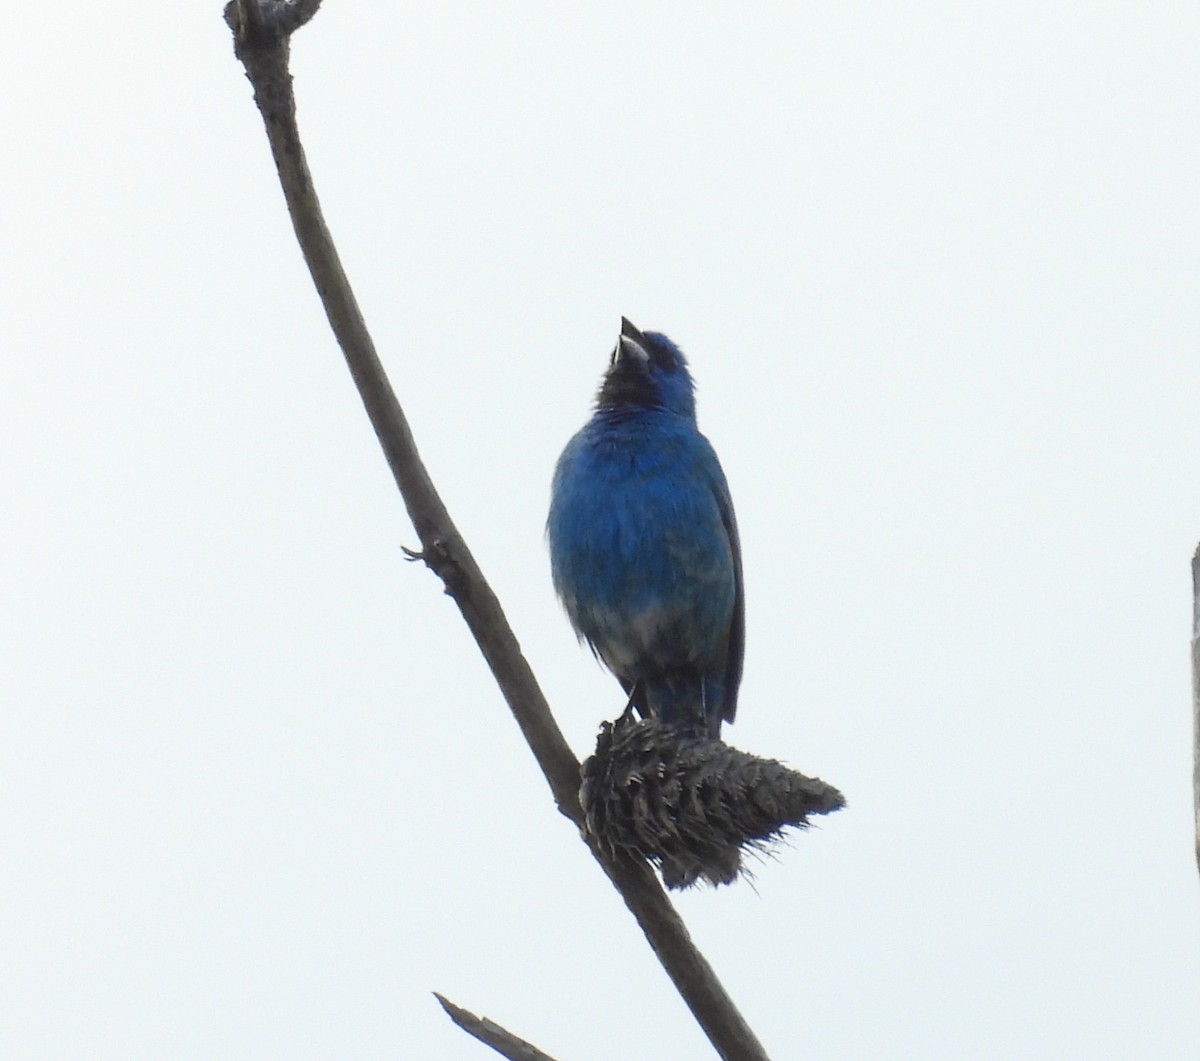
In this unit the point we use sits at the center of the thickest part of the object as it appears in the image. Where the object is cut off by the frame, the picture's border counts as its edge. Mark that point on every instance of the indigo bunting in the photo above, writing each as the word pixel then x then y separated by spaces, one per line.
pixel 644 548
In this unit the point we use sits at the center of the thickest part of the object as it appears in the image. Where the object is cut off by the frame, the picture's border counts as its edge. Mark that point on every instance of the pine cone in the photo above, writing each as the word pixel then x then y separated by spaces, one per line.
pixel 689 805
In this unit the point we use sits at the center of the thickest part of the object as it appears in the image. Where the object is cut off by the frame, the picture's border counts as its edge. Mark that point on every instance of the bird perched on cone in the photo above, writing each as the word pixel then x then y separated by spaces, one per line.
pixel 643 543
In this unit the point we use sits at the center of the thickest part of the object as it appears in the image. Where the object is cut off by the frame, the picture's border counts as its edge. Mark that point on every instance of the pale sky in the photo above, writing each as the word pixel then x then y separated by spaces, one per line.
pixel 935 267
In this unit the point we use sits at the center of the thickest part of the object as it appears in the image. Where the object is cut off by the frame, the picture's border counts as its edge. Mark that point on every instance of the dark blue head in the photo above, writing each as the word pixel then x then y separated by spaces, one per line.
pixel 647 371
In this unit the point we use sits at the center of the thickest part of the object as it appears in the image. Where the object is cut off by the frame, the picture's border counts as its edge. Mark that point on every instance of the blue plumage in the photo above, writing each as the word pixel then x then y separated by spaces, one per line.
pixel 643 543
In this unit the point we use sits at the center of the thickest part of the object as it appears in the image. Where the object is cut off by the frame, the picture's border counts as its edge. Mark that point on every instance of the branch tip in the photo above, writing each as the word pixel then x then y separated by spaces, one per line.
pixel 492 1034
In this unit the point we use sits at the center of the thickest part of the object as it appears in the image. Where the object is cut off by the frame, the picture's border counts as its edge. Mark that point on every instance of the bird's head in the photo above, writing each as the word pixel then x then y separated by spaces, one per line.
pixel 647 371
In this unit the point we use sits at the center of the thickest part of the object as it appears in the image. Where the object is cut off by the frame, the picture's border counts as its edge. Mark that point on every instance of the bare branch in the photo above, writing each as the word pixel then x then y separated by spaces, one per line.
pixel 260 30
pixel 1196 697
pixel 488 1031
pixel 689 970
pixel 264 54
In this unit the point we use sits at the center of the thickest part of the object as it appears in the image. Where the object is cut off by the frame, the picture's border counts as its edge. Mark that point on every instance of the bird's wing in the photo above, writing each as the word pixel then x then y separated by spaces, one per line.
pixel 737 624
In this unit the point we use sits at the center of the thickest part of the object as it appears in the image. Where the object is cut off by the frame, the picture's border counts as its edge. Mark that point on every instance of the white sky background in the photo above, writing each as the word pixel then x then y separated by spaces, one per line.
pixel 936 269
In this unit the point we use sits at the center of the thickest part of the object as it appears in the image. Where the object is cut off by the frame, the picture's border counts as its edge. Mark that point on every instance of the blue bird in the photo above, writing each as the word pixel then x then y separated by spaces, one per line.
pixel 643 543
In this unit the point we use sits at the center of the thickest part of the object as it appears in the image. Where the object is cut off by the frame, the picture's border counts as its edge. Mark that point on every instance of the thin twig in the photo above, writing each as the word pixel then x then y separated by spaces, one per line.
pixel 488 1031
pixel 260 30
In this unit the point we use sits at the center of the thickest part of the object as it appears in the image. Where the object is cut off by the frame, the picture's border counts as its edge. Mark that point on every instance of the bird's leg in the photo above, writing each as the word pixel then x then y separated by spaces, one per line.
pixel 627 714
pixel 706 723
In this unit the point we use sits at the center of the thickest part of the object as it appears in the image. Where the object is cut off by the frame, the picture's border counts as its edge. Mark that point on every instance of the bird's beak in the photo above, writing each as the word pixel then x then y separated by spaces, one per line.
pixel 631 346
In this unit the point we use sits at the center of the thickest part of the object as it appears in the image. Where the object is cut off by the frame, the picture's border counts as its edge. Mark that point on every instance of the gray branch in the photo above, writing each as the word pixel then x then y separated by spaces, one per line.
pixel 488 1031
pixel 261 31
